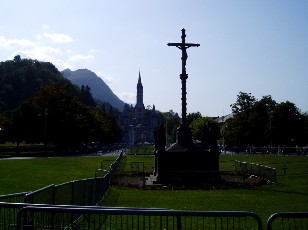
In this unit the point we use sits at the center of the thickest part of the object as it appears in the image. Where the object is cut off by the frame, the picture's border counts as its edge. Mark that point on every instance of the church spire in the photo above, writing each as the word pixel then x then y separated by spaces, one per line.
pixel 139 92
pixel 139 79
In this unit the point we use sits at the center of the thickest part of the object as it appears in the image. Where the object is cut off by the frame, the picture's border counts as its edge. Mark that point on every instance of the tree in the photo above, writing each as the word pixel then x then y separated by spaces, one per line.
pixel 288 125
pixel 24 76
pixel 172 122
pixel 243 104
pixel 197 126
pixel 260 119
pixel 240 126
pixel 193 116
pixel 86 96
pixel 264 123
pixel 55 114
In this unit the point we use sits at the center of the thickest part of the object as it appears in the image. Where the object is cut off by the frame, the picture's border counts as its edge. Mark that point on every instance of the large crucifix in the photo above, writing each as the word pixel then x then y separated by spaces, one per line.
pixel 183 46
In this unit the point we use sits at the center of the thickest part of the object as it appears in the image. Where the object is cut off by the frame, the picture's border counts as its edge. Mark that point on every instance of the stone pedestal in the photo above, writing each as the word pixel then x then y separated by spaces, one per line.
pixel 186 167
pixel 185 163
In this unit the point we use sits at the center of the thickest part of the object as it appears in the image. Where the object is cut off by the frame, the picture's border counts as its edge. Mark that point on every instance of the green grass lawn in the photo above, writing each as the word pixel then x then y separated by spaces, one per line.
pixel 290 194
pixel 24 175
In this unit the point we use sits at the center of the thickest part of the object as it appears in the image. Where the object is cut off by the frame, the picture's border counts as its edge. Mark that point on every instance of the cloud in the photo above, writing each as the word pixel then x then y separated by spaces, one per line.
pixel 94 50
pixel 39 52
pixel 49 47
pixel 14 43
pixel 127 97
pixel 45 27
pixel 80 57
pixel 107 78
pixel 44 53
pixel 58 38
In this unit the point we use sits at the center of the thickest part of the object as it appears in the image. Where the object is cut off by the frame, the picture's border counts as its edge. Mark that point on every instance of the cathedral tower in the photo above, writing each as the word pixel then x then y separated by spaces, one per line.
pixel 139 108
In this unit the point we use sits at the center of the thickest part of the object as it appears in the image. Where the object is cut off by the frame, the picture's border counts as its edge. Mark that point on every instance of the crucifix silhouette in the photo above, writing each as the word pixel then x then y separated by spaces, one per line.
pixel 183 76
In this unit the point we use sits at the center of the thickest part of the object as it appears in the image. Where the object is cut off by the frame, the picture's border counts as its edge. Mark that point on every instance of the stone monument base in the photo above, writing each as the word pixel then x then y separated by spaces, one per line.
pixel 180 166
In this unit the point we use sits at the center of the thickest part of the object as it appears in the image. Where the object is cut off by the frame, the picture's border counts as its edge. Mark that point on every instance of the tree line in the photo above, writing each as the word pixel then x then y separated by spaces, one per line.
pixel 256 123
pixel 265 122
pixel 38 105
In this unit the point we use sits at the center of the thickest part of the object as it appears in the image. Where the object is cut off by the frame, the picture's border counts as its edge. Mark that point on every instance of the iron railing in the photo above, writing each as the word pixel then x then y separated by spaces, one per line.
pixel 14 198
pixel 263 171
pixel 133 218
pixel 288 220
pixel 86 192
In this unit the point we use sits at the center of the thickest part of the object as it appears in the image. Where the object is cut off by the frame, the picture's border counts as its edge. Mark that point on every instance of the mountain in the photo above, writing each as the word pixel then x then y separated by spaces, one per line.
pixel 99 89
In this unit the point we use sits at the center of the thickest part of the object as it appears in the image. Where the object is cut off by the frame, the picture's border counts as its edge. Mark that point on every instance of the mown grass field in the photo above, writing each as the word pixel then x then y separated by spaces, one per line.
pixel 24 175
pixel 290 194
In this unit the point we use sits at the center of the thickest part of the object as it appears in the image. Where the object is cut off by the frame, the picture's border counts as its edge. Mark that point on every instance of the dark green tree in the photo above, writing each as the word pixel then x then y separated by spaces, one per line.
pixel 21 78
pixel 288 125
pixel 260 121
pixel 57 116
pixel 243 104
pixel 264 123
pixel 86 96
pixel 241 126
pixel 193 116
pixel 172 122
pixel 197 126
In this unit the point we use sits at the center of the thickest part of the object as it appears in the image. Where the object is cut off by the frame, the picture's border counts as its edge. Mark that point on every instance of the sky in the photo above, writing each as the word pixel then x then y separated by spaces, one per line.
pixel 258 47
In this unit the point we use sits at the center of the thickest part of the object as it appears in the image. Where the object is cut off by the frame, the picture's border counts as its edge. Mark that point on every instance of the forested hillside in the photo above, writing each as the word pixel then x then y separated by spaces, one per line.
pixel 21 78
pixel 99 89
pixel 37 104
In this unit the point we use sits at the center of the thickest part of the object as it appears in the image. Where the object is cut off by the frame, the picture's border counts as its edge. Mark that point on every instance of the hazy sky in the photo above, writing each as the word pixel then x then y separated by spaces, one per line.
pixel 258 47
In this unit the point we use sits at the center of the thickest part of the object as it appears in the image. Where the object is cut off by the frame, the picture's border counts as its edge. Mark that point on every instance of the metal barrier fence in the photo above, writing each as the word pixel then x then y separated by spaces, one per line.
pixel 129 218
pixel 8 215
pixel 14 198
pixel 87 192
pixel 38 216
pixel 79 192
pixel 288 220
pixel 246 168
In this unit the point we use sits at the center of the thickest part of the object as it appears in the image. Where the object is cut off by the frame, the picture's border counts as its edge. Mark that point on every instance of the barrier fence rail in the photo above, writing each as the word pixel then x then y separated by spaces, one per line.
pixel 14 198
pixel 40 216
pixel 132 218
pixel 265 150
pixel 288 220
pixel 247 169
pixel 79 192
pixel 85 192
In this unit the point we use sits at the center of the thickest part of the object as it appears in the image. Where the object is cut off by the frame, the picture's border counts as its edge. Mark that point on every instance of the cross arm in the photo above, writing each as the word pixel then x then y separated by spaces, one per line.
pixel 186 45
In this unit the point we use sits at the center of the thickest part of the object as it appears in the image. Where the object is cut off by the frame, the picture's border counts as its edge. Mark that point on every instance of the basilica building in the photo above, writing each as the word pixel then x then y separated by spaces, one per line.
pixel 138 123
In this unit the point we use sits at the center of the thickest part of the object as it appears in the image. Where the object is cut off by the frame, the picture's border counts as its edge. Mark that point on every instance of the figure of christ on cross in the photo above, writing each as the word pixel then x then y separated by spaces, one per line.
pixel 183 46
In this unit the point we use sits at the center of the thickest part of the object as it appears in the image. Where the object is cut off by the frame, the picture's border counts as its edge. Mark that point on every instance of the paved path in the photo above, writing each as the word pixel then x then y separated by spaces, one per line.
pixel 99 154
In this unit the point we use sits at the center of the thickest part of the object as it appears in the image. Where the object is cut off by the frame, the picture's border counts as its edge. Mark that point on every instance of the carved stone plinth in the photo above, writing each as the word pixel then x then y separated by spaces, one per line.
pixel 186 167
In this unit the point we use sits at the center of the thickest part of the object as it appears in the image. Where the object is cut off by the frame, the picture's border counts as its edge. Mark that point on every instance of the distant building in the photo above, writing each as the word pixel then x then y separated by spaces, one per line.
pixel 222 120
pixel 139 123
